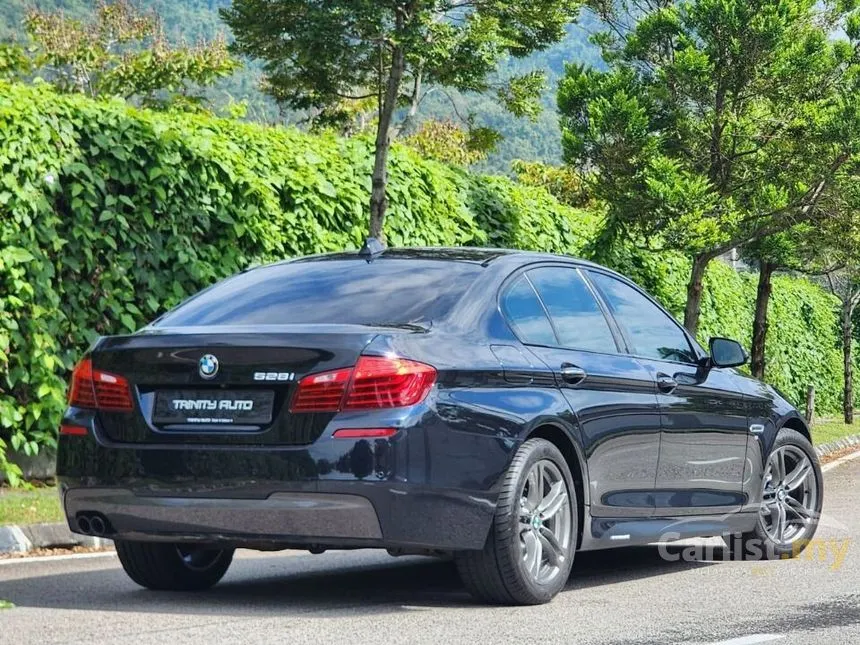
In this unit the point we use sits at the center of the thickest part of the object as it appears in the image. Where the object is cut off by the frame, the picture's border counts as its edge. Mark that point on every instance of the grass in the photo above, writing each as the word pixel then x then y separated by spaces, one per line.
pixel 30 506
pixel 5 604
pixel 827 429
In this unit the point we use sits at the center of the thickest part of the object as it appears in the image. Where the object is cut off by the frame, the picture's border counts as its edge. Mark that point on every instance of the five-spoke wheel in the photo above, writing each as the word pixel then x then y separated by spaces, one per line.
pixel 792 490
pixel 529 551
pixel 545 521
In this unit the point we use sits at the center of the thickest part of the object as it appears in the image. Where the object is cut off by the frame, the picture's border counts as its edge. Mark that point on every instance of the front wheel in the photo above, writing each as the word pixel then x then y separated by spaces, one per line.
pixel 173 567
pixel 792 495
pixel 529 551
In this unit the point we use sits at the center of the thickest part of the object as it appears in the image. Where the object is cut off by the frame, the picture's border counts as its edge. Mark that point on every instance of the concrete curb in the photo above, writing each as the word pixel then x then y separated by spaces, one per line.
pixel 20 539
pixel 840 444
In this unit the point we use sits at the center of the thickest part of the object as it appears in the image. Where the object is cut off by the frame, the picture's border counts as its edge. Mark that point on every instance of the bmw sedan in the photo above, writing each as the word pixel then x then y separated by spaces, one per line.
pixel 503 408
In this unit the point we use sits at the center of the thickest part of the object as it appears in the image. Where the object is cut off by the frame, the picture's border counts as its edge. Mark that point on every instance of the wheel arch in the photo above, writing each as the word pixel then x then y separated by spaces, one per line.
pixel 797 424
pixel 575 462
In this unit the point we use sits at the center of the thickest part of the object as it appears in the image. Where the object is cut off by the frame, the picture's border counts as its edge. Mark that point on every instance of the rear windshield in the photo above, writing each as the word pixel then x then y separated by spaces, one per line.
pixel 382 292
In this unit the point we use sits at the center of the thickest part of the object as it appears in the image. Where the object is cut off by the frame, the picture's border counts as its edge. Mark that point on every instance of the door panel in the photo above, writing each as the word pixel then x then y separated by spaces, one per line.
pixel 704 443
pixel 617 410
pixel 704 415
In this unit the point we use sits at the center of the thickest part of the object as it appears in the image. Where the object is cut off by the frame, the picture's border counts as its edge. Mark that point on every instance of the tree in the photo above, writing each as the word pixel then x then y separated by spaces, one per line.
pixel 845 285
pixel 773 253
pixel 824 246
pixel 123 52
pixel 716 122
pixel 318 54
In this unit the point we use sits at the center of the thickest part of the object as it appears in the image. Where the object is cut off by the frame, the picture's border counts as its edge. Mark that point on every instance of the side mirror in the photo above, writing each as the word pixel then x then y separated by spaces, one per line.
pixel 727 353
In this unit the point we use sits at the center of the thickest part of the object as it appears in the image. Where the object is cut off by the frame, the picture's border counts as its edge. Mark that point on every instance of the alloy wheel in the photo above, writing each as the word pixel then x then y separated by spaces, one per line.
pixel 545 521
pixel 790 496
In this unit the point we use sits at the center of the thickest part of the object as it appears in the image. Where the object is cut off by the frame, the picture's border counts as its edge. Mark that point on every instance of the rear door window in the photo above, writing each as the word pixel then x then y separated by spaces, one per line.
pixel 577 317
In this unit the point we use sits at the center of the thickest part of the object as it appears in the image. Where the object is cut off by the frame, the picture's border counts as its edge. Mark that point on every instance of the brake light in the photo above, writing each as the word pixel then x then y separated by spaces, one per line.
pixel 375 382
pixel 92 388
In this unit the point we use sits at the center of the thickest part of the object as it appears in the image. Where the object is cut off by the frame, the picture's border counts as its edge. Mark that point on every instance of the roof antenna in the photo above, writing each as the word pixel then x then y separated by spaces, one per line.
pixel 372 247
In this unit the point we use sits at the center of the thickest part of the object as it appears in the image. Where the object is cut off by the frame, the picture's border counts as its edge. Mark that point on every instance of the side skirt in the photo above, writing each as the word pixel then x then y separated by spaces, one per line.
pixel 609 533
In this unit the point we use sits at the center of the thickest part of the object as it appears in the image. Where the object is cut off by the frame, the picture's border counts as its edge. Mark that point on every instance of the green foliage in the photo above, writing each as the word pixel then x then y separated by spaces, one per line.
pixel 109 215
pixel 317 54
pixel 562 182
pixel 716 122
pixel 450 143
pixel 123 52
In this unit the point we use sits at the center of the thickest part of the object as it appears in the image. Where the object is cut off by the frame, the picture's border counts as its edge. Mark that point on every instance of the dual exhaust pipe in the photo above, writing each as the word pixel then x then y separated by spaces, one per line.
pixel 93 524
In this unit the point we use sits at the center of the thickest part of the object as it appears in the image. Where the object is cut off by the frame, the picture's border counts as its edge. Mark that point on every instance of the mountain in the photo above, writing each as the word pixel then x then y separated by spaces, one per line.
pixel 191 20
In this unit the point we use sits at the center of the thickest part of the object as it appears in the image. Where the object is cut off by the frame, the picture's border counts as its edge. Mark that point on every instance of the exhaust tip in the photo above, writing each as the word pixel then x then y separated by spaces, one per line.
pixel 97 525
pixel 84 525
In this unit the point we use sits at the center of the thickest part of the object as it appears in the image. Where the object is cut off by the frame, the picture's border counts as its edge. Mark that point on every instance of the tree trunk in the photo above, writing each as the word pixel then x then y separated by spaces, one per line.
pixel 694 292
pixel 847 364
pixel 378 201
pixel 760 320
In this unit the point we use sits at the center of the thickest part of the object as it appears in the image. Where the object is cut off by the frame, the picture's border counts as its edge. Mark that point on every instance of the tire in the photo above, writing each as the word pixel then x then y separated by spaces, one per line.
pixel 761 542
pixel 173 567
pixel 503 572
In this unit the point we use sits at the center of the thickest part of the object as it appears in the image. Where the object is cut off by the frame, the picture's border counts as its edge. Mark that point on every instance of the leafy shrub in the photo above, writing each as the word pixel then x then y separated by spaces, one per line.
pixel 109 214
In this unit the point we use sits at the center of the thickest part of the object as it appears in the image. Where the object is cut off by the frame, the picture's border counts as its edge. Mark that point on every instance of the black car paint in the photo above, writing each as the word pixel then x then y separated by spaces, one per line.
pixel 434 484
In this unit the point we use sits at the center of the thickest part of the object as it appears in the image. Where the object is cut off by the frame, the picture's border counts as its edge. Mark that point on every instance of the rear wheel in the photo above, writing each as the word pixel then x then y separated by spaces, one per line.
pixel 173 567
pixel 529 551
pixel 792 494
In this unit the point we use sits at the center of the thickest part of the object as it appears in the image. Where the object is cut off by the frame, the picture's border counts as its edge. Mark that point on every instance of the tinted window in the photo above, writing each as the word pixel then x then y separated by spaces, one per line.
pixel 524 311
pixel 577 317
pixel 384 291
pixel 653 333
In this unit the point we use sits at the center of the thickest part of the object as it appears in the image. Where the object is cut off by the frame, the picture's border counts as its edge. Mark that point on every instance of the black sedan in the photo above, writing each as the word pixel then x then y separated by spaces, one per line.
pixel 504 408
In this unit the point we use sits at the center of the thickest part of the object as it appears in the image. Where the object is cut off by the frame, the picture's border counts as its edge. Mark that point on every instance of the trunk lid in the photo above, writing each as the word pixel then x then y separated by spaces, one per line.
pixel 244 400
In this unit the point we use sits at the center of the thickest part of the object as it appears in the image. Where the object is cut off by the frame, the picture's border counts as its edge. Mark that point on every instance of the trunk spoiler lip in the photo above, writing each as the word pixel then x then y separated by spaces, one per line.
pixel 212 333
pixel 289 328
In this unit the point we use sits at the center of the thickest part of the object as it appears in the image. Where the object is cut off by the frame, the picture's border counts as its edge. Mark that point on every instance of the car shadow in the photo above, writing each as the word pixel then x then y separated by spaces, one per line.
pixel 336 583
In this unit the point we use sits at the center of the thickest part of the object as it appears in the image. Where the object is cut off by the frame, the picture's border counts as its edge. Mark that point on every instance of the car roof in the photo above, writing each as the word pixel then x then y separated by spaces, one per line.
pixel 477 255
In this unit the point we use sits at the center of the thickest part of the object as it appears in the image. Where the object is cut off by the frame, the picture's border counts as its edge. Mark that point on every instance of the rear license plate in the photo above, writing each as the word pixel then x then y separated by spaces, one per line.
pixel 227 407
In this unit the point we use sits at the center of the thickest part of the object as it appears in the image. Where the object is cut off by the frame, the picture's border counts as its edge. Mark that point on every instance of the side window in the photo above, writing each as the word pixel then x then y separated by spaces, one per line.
pixel 524 312
pixel 653 333
pixel 575 314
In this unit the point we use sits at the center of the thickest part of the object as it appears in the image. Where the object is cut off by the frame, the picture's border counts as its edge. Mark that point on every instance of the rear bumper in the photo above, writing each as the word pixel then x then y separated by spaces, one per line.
pixel 301 516
pixel 427 487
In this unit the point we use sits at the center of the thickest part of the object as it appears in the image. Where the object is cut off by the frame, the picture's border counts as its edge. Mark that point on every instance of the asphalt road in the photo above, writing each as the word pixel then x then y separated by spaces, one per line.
pixel 613 597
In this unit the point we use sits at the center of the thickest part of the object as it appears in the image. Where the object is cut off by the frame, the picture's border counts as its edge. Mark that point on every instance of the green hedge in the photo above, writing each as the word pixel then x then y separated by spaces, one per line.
pixel 109 214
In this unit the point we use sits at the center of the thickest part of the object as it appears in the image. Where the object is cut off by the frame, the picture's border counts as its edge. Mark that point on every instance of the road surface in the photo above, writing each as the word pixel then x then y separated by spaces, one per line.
pixel 614 598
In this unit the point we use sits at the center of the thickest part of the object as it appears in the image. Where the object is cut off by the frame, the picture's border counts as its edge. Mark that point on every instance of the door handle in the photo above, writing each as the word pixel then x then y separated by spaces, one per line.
pixel 666 383
pixel 572 374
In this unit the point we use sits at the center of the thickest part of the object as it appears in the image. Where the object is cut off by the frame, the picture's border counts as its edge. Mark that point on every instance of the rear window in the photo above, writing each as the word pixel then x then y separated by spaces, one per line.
pixel 383 292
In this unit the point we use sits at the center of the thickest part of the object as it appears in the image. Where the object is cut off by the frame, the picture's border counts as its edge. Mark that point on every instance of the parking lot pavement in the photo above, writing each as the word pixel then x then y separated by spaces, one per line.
pixel 613 597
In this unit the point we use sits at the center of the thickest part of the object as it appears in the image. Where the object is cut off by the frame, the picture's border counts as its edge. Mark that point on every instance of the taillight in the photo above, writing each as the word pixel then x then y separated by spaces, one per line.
pixel 321 392
pixel 375 382
pixel 92 388
pixel 381 382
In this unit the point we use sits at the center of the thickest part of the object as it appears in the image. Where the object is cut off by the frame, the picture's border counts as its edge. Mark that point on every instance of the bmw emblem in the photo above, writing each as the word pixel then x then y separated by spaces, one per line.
pixel 208 366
